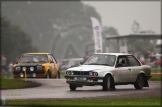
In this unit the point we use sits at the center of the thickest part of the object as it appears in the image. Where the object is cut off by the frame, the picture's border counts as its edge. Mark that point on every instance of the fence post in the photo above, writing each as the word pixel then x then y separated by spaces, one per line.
pixel 24 74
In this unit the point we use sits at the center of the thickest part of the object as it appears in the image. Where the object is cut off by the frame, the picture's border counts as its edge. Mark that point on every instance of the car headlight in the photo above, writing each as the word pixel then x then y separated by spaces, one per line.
pixel 95 73
pixel 72 73
pixel 69 72
pixel 21 75
pixel 17 68
pixel 24 68
pixel 34 74
pixel 31 68
pixel 90 73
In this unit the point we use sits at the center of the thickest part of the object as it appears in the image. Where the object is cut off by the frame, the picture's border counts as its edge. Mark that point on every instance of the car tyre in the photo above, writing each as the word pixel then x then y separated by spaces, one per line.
pixel 72 87
pixel 58 75
pixel 139 82
pixel 106 82
pixel 48 75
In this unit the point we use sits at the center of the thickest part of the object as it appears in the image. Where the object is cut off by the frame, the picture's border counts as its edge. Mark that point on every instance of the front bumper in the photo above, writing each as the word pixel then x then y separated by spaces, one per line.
pixel 84 80
pixel 30 72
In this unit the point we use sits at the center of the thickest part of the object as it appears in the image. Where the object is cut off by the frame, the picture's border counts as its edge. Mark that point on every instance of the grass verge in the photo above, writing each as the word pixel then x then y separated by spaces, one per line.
pixel 62 74
pixel 90 102
pixel 16 84
pixel 156 78
pixel 13 83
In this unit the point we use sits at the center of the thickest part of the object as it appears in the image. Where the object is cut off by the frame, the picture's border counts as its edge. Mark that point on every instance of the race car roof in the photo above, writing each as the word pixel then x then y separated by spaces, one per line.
pixel 117 54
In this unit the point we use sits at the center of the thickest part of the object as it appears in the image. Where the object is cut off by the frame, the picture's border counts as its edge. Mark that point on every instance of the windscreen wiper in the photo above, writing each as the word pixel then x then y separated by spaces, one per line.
pixel 91 64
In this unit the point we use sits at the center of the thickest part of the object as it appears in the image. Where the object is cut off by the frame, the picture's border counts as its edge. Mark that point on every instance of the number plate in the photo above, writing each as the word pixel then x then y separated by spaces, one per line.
pixel 81 78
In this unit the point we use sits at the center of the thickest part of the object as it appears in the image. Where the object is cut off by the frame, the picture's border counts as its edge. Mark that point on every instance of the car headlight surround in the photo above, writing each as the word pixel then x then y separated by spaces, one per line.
pixel 66 72
pixel 39 67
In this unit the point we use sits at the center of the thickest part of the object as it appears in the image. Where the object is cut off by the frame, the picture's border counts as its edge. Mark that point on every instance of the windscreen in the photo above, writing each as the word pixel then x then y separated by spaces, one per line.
pixel 28 58
pixel 107 60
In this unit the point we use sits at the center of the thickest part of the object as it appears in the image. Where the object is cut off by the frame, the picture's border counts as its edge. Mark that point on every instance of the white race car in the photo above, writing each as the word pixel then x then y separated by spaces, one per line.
pixel 108 70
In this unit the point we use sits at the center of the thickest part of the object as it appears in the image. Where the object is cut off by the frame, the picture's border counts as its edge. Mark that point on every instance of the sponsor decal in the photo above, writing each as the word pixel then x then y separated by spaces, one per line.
pixel 93 70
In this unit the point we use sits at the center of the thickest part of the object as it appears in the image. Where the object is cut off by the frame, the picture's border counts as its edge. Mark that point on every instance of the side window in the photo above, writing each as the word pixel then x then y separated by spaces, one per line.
pixel 133 61
pixel 123 61
pixel 52 59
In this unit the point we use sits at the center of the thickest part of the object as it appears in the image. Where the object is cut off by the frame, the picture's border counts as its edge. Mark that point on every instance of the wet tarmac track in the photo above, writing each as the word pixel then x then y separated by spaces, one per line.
pixel 59 89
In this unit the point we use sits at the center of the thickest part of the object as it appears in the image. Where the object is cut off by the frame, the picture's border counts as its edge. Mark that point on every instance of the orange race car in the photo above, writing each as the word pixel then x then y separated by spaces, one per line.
pixel 36 65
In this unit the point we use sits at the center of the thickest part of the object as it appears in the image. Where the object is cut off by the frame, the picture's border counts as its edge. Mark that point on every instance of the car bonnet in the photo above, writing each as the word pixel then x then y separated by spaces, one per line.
pixel 90 68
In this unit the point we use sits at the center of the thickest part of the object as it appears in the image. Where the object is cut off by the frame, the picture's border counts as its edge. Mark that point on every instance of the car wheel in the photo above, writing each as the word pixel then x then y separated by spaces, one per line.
pixel 58 75
pixel 106 82
pixel 48 75
pixel 72 87
pixel 139 82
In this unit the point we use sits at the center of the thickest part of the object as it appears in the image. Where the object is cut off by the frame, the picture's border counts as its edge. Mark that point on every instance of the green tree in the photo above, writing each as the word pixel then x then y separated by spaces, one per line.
pixel 45 20
pixel 14 41
pixel 110 31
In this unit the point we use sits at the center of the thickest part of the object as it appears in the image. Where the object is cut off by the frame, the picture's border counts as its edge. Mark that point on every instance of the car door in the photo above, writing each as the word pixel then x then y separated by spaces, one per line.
pixel 122 72
pixel 55 65
pixel 135 67
pixel 52 67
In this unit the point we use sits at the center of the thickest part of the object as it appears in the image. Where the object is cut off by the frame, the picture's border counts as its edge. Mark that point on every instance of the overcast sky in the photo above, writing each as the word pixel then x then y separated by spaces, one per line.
pixel 121 14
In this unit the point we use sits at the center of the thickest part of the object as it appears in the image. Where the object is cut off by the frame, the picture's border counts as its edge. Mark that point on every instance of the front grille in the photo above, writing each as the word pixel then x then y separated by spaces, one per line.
pixel 81 72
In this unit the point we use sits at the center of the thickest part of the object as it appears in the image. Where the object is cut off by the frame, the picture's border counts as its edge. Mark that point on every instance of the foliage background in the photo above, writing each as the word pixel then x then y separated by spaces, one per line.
pixel 33 26
pixel 14 41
